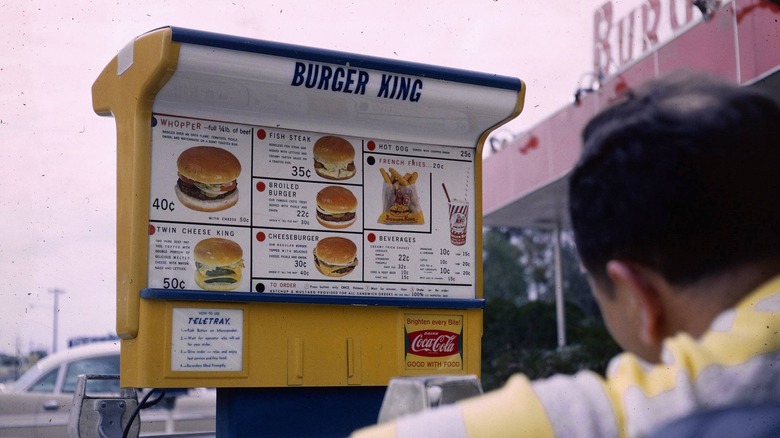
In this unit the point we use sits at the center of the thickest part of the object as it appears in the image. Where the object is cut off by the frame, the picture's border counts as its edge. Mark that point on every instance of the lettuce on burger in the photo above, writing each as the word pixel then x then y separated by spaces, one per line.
pixel 207 178
pixel 334 158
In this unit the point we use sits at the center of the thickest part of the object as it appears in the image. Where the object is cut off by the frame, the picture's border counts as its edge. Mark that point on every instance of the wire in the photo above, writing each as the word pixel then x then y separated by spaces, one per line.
pixel 143 405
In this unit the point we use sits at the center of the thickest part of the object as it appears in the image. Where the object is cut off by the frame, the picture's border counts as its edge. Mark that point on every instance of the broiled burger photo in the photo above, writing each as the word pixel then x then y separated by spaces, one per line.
pixel 336 207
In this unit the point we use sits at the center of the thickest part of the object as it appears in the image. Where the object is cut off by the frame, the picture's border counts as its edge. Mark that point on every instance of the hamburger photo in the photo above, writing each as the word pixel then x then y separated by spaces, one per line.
pixel 218 264
pixel 335 256
pixel 336 207
pixel 207 178
pixel 334 158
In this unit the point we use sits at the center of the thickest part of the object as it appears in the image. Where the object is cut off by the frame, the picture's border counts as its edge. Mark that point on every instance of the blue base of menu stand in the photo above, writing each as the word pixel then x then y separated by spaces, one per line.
pixel 296 412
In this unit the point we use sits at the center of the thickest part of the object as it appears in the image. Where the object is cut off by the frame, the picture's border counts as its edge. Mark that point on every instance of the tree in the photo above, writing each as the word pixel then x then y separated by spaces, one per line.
pixel 503 276
pixel 520 329
pixel 523 339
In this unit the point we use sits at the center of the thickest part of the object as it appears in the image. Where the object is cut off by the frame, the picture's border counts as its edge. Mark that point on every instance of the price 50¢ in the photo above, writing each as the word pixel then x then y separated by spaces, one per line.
pixel 173 283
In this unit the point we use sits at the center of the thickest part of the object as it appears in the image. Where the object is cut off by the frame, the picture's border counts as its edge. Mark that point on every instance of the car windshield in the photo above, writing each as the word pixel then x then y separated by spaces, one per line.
pixel 46 383
pixel 93 365
pixel 26 380
pixel 36 381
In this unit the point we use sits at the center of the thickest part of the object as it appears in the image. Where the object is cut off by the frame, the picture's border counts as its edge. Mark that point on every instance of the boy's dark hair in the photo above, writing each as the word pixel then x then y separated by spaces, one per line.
pixel 682 176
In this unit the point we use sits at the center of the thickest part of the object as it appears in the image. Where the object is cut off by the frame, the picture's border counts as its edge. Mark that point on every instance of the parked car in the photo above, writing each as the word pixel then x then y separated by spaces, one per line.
pixel 39 403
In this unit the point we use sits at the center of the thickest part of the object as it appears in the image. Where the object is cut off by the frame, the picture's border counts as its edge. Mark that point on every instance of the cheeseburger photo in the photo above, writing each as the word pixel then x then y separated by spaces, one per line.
pixel 335 256
pixel 334 158
pixel 336 207
pixel 218 264
pixel 207 178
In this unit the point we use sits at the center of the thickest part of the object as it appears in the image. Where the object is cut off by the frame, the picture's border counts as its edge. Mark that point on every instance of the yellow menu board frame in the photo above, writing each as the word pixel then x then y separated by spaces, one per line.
pixel 173 338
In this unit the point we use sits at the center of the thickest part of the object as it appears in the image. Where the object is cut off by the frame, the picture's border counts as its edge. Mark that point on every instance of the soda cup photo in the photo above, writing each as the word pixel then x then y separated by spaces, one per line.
pixel 458 220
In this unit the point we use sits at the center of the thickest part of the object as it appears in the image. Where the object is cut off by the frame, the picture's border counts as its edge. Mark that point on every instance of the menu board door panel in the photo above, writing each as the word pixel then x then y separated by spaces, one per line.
pixel 255 209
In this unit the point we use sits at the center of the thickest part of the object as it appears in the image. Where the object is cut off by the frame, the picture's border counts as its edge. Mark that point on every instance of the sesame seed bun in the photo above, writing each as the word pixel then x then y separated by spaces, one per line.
pixel 209 165
pixel 217 252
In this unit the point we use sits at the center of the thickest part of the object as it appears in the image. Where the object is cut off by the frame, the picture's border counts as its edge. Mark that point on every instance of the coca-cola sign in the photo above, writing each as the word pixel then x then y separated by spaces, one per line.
pixel 433 343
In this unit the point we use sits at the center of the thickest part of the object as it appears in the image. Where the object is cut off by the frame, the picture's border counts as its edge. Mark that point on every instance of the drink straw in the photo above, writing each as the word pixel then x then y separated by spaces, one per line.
pixel 445 192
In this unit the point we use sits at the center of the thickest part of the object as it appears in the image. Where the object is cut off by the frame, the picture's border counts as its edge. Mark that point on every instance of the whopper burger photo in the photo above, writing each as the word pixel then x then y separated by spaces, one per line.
pixel 335 256
pixel 334 158
pixel 336 207
pixel 218 264
pixel 207 178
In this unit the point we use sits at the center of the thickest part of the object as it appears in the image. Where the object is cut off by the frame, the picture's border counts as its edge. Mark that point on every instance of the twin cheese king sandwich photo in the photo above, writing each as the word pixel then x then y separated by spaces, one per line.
pixel 218 263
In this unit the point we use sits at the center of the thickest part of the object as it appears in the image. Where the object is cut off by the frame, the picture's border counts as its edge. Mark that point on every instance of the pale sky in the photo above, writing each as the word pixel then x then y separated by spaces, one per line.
pixel 58 157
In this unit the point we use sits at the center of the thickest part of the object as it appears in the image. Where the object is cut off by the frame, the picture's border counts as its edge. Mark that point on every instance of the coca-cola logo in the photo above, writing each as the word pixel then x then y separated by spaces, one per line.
pixel 433 343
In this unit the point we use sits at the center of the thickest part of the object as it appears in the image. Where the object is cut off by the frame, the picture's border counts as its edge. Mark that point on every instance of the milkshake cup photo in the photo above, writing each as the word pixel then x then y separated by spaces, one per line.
pixel 459 212
pixel 458 220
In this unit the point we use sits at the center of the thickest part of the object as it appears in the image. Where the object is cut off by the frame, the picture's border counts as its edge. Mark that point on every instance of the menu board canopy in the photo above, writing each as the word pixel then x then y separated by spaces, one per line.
pixel 294 87
pixel 250 170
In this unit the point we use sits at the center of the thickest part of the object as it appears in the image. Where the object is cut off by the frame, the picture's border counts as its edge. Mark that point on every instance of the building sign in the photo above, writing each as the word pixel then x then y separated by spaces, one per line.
pixel 619 40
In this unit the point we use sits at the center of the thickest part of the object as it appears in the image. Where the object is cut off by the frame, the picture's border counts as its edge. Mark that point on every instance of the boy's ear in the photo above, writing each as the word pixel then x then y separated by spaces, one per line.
pixel 643 289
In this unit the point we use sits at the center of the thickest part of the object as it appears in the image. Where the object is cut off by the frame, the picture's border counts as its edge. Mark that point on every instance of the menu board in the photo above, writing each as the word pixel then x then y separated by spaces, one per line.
pixel 258 209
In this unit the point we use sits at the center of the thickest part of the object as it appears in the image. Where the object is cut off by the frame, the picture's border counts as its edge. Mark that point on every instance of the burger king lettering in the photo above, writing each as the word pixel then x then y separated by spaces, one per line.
pixel 324 77
pixel 354 81
pixel 402 88
pixel 620 40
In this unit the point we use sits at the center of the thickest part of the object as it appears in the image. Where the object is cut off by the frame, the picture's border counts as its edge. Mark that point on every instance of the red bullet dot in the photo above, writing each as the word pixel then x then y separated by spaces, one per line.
pixel 371 237
pixel 371 145
pixel 260 236
pixel 260 186
pixel 151 229
pixel 261 134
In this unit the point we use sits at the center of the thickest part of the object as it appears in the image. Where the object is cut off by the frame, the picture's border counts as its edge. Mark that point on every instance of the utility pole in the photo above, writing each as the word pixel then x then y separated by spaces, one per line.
pixel 560 304
pixel 56 293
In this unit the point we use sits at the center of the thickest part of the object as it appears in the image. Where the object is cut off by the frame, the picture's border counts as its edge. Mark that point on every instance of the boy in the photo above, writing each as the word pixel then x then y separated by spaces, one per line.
pixel 674 215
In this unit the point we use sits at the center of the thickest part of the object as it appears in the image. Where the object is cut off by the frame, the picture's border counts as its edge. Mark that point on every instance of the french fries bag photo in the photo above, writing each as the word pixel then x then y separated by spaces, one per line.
pixel 400 202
